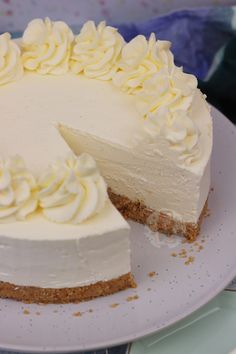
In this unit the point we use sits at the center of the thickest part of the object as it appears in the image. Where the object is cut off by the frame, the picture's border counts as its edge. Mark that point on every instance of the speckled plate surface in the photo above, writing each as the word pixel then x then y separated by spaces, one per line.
pixel 160 299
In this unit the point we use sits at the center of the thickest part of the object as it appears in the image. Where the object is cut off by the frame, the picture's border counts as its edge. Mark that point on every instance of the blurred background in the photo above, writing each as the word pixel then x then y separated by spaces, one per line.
pixel 15 14
pixel 202 32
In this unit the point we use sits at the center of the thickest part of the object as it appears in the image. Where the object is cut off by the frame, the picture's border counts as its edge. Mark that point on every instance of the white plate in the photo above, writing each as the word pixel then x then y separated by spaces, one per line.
pixel 174 293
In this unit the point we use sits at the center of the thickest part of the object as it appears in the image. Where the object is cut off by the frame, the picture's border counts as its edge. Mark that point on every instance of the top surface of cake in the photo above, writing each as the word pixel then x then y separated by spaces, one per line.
pixel 139 115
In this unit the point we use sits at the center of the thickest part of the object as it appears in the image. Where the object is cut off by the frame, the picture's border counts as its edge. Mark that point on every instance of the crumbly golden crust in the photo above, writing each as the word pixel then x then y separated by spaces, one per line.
pixel 30 294
pixel 137 211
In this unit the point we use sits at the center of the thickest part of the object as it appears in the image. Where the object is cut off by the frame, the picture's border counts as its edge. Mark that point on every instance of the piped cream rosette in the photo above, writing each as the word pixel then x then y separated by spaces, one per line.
pixel 11 68
pixel 18 190
pixel 71 190
pixel 47 46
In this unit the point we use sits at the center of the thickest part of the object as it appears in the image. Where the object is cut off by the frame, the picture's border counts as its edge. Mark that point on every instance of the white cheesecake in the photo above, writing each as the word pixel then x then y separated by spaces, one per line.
pixel 143 120
pixel 148 182
pixel 61 239
pixel 47 262
pixel 95 117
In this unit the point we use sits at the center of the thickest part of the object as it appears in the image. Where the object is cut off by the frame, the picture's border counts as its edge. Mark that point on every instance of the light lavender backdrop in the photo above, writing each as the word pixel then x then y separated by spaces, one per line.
pixel 15 14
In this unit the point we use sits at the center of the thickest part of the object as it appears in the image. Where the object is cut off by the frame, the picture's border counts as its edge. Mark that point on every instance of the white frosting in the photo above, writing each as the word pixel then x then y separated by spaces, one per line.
pixel 11 68
pixel 163 93
pixel 152 144
pixel 46 46
pixel 18 190
pixel 179 130
pixel 43 253
pixel 48 255
pixel 125 156
pixel 148 170
pixel 72 190
pixel 173 90
pixel 140 59
pixel 144 68
pixel 96 51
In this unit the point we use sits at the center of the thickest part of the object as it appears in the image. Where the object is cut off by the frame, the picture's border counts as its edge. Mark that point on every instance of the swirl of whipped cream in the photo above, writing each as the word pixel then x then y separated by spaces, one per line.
pixel 72 190
pixel 96 51
pixel 11 68
pixel 47 46
pixel 18 192
pixel 140 60
pixel 178 129
pixel 173 89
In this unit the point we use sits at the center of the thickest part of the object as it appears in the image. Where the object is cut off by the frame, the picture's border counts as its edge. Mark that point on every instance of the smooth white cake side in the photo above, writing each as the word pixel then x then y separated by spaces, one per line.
pixel 43 254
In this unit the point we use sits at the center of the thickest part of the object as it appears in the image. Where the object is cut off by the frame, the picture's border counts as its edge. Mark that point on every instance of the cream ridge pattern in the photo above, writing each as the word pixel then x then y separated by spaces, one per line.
pixel 71 190
pixel 141 67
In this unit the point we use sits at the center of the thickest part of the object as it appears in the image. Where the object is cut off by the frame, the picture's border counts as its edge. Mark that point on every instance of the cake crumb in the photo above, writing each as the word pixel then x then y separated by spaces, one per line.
pixel 26 312
pixel 131 298
pixel 152 274
pixel 55 311
pixel 114 305
pixel 90 310
pixel 77 314
pixel 189 260
pixel 149 289
pixel 183 253
pixel 174 254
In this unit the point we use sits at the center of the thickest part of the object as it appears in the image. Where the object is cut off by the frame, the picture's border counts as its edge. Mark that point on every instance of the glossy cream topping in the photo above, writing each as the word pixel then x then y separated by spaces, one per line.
pixel 131 160
pixel 10 61
pixel 142 68
pixel 96 51
pixel 178 129
pixel 158 107
pixel 72 190
pixel 18 190
pixel 140 59
pixel 47 46
pixel 174 90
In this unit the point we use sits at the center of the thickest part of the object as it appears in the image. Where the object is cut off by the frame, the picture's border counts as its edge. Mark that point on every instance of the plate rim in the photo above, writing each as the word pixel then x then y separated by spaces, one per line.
pixel 125 340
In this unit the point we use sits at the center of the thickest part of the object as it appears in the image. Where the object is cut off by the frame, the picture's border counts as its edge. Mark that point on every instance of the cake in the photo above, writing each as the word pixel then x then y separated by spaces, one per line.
pixel 61 239
pixel 70 100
